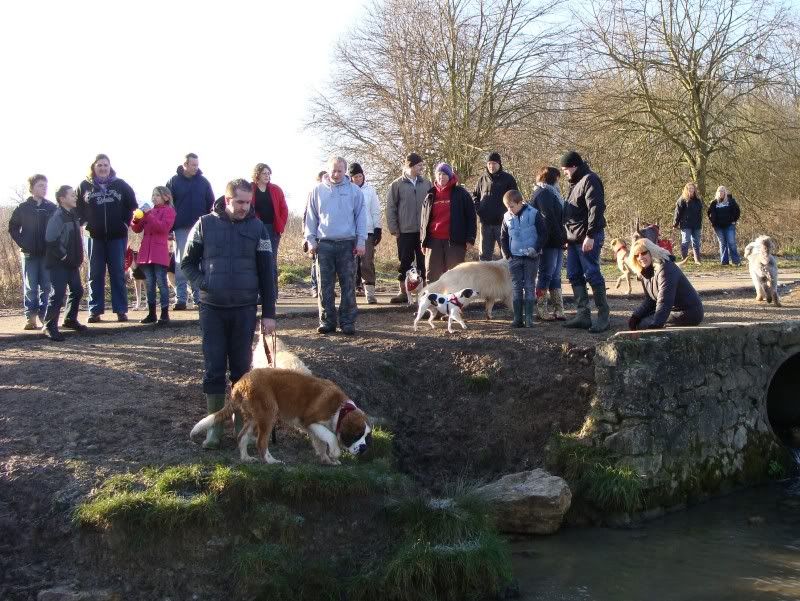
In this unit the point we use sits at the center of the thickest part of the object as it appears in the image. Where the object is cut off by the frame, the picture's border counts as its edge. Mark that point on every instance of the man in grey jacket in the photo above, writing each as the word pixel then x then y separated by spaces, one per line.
pixel 403 210
pixel 336 232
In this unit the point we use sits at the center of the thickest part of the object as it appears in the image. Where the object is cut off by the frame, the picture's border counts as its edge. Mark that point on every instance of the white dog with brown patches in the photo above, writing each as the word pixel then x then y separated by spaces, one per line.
pixel 313 405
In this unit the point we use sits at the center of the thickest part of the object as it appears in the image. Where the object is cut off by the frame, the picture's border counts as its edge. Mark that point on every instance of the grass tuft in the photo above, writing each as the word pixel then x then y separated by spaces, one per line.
pixel 594 475
pixel 293 274
pixel 478 382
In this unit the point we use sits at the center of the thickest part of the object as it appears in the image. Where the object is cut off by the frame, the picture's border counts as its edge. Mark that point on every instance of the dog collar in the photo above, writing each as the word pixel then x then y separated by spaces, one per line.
pixel 347 407
pixel 453 300
pixel 412 285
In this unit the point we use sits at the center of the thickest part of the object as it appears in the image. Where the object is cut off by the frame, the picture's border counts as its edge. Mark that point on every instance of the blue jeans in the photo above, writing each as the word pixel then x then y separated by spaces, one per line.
pixel 523 275
pixel 181 283
pixel 227 344
pixel 686 236
pixel 335 258
pixel 36 285
pixel 109 253
pixel 490 234
pixel 156 275
pixel 550 262
pixel 726 236
pixel 62 277
pixel 583 268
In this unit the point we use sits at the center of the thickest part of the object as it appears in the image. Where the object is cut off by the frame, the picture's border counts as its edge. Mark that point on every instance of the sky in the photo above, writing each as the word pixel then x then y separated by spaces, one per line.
pixel 146 82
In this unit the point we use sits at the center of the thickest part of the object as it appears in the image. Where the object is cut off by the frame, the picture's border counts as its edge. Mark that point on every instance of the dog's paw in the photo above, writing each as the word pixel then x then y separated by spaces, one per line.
pixel 248 459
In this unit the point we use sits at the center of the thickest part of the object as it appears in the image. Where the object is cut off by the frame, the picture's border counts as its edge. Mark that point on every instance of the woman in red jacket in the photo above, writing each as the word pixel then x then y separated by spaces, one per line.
pixel 156 223
pixel 271 209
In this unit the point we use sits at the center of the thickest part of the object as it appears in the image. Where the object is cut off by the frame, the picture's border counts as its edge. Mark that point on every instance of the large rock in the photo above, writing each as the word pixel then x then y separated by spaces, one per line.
pixel 532 502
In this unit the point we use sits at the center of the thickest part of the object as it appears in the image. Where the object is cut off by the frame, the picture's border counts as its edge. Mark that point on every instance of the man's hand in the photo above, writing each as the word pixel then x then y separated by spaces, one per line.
pixel 312 251
pixel 359 251
pixel 268 326
pixel 588 244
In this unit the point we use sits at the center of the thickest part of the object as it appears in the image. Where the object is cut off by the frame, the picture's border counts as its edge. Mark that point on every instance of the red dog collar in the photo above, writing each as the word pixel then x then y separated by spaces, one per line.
pixel 347 407
pixel 453 300
pixel 411 285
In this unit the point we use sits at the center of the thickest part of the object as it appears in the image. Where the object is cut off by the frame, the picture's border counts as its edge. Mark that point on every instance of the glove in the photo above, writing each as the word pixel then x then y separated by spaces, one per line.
pixel 376 236
pixel 633 322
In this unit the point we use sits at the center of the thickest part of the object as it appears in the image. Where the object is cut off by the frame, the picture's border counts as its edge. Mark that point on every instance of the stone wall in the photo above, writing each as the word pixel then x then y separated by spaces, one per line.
pixel 686 408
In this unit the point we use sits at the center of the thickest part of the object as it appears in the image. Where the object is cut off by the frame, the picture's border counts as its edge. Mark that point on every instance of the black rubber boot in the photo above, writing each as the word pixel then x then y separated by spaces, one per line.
pixel 151 314
pixel 518 318
pixel 164 319
pixel 529 323
pixel 583 317
pixel 601 324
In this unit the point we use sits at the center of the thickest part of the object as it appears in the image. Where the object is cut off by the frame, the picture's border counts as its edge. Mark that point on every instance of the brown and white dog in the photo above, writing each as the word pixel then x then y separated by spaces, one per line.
pixel 492 280
pixel 315 405
pixel 620 249
pixel 763 267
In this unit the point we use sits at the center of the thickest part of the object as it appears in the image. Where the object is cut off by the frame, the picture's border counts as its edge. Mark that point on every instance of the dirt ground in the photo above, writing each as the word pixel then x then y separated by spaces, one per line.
pixel 465 406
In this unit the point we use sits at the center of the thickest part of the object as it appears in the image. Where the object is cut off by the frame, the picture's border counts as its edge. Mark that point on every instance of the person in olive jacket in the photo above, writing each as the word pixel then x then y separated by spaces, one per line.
pixel 64 258
pixel 106 204
pixel 723 213
pixel 27 228
pixel 689 219
pixel 488 197
pixel 584 214
pixel 447 223
pixel 669 297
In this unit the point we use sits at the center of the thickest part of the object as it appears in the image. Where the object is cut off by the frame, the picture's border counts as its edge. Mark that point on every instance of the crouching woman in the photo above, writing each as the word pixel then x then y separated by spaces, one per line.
pixel 666 290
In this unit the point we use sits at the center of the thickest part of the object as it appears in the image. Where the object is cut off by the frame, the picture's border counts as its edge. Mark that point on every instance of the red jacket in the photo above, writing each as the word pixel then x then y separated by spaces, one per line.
pixel 155 224
pixel 279 207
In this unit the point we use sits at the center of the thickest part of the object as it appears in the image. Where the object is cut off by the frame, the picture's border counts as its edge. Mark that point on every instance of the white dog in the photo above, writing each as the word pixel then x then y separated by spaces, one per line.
pixel 491 278
pixel 451 305
pixel 283 359
pixel 413 282
pixel 760 255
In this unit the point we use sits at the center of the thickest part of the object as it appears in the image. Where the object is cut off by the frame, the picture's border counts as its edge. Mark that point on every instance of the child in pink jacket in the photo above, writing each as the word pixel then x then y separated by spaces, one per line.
pixel 156 223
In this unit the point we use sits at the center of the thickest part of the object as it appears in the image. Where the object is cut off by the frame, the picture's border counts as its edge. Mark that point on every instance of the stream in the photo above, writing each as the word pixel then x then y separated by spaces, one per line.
pixel 742 547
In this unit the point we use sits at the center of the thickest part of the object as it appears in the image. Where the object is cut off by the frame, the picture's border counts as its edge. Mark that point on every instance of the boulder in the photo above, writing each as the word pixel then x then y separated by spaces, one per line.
pixel 532 502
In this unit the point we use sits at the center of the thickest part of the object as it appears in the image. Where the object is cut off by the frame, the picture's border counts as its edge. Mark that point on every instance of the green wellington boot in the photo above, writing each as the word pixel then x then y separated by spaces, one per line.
pixel 601 324
pixel 583 317
pixel 214 402
pixel 529 323
pixel 517 322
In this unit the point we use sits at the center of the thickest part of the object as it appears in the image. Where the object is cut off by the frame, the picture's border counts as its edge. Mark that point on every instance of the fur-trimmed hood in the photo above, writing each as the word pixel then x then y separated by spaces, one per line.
pixel 660 255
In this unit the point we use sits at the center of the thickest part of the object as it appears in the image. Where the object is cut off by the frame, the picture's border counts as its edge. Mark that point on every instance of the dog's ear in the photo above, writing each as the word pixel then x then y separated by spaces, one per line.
pixel 432 297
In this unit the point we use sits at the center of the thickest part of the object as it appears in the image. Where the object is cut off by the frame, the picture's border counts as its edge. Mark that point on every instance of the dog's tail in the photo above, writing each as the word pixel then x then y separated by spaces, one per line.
pixel 213 419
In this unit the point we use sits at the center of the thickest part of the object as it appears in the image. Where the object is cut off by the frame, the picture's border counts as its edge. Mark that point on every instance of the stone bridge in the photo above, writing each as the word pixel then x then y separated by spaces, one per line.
pixel 697 410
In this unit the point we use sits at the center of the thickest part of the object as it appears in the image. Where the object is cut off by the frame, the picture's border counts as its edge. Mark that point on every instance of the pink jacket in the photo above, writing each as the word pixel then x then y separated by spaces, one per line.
pixel 155 224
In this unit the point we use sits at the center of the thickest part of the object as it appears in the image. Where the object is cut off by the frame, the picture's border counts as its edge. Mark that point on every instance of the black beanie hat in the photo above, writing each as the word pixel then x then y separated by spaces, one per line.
pixel 355 169
pixel 413 159
pixel 571 159
pixel 494 156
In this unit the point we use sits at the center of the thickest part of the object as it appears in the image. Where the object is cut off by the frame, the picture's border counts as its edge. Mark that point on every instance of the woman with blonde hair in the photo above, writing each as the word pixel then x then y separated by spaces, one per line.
pixel 689 219
pixel 667 290
pixel 723 213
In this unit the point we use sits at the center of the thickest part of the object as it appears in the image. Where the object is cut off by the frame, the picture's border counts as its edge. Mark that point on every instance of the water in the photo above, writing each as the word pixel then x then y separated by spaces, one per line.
pixel 744 547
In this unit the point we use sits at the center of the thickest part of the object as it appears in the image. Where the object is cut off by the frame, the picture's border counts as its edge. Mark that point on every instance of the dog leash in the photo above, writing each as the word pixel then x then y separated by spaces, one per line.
pixel 271 363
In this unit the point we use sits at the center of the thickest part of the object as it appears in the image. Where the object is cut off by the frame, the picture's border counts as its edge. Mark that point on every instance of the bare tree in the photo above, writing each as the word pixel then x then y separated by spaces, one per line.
pixel 695 74
pixel 441 77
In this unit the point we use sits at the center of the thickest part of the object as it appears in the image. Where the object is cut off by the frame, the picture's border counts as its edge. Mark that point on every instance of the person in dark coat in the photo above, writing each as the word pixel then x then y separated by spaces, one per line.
pixel 689 219
pixel 193 197
pixel 547 200
pixel 723 213
pixel 584 220
pixel 228 259
pixel 447 223
pixel 106 204
pixel 64 257
pixel 488 197
pixel 27 228
pixel 669 297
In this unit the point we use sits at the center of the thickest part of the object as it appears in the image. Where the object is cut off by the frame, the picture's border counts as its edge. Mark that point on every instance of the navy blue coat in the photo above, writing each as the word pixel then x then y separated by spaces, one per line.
pixel 191 196
pixel 28 224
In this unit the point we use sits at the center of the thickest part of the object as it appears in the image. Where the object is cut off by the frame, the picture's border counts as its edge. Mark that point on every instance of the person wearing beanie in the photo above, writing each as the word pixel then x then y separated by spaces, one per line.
pixel 488 198
pixel 373 210
pixel 403 209
pixel 667 290
pixel 585 222
pixel 447 224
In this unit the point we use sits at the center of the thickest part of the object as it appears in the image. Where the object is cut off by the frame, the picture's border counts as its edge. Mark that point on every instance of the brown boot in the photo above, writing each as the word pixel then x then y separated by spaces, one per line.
pixel 401 297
